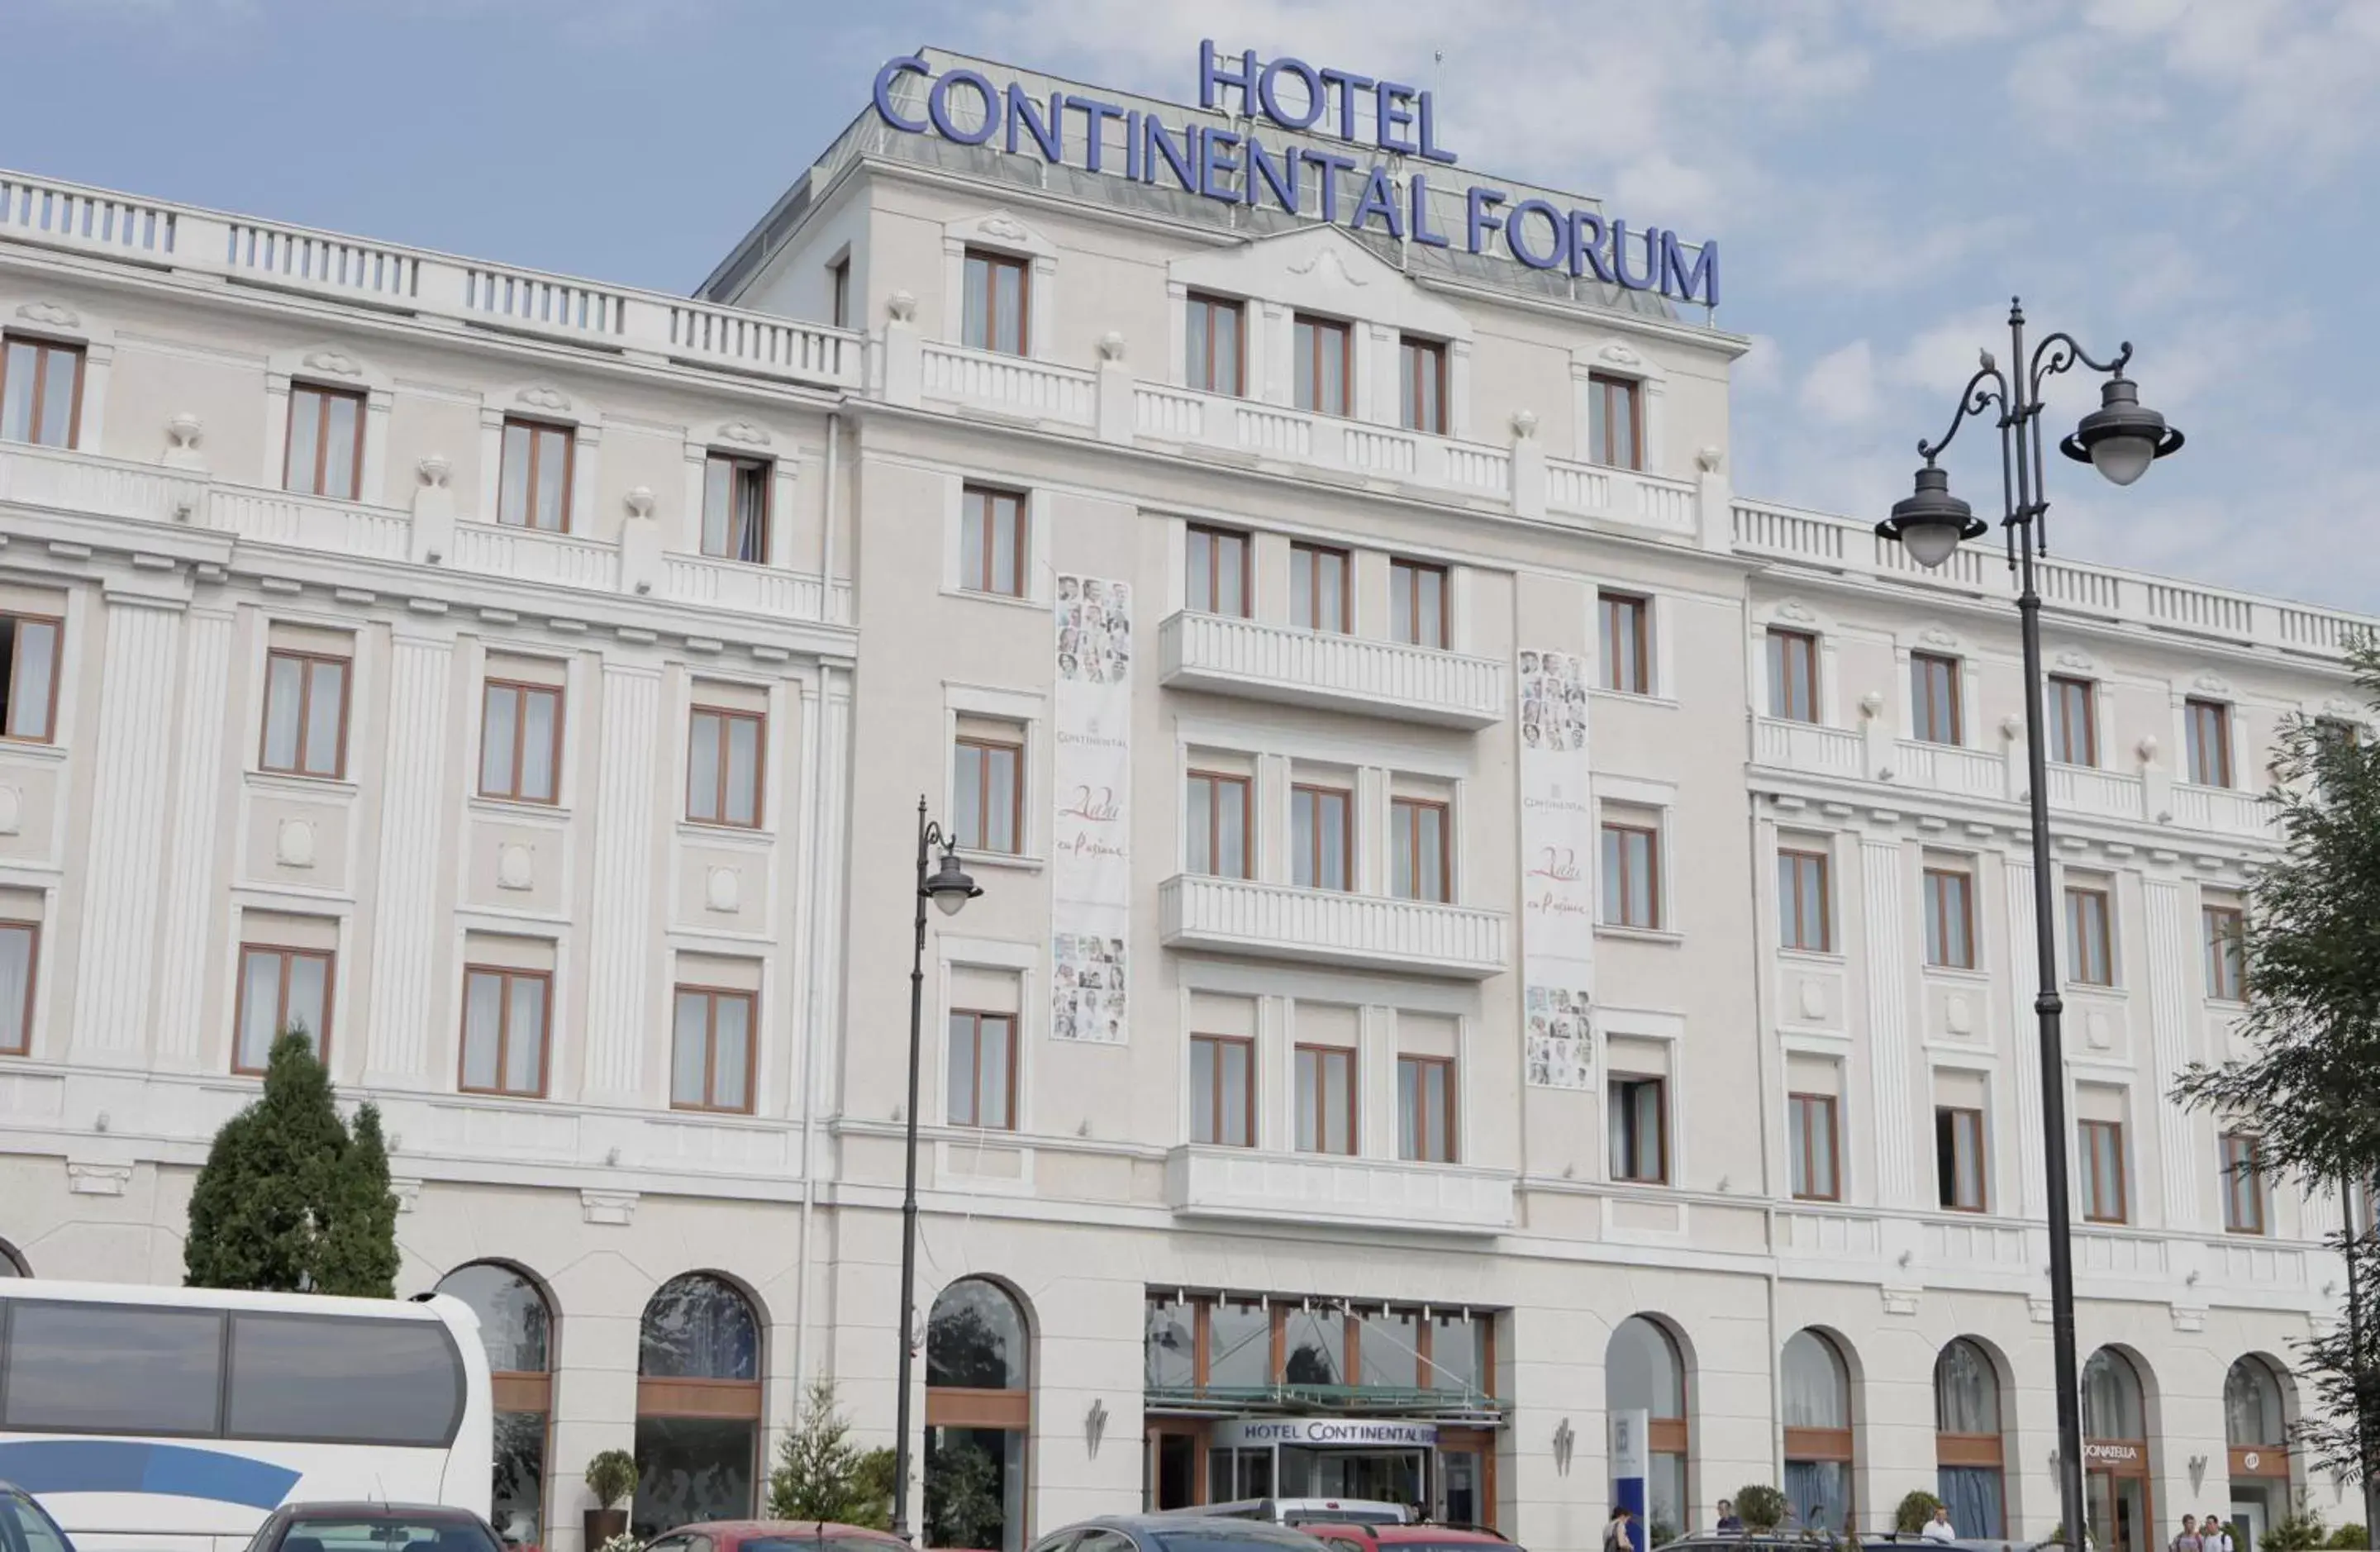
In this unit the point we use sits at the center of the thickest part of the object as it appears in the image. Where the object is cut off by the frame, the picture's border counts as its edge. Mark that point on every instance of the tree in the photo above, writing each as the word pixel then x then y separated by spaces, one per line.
pixel 963 1501
pixel 821 1474
pixel 290 1201
pixel 1760 1507
pixel 1916 1508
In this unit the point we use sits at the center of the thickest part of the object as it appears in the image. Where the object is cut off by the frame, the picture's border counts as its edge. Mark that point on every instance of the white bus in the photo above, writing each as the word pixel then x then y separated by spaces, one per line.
pixel 176 1419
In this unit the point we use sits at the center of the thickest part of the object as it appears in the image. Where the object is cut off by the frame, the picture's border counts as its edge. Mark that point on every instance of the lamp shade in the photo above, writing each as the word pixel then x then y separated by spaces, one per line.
pixel 2121 438
pixel 950 887
pixel 1931 521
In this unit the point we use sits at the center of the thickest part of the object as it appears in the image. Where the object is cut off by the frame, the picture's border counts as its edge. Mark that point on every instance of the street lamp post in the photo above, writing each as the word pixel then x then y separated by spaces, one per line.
pixel 950 889
pixel 2120 439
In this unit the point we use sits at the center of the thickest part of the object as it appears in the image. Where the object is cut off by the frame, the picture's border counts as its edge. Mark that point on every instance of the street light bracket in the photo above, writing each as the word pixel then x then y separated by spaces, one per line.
pixel 1984 390
pixel 2062 351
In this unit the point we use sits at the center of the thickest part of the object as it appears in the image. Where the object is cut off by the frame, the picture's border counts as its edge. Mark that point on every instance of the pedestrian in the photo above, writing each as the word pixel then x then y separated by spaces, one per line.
pixel 2215 1535
pixel 2188 1540
pixel 1615 1531
pixel 1939 1527
pixel 1728 1523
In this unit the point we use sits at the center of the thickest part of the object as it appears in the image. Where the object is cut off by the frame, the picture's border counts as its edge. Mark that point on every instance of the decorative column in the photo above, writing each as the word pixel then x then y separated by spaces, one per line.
pixel 620 936
pixel 191 876
pixel 1888 1019
pixel 409 919
pixel 2025 1031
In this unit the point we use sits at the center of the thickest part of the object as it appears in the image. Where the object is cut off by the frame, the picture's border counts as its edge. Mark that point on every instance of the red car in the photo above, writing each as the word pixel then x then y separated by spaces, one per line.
pixel 1405 1538
pixel 775 1536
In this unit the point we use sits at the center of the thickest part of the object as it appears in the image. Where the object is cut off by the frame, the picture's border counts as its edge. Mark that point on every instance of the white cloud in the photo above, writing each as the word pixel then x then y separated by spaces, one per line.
pixel 1839 389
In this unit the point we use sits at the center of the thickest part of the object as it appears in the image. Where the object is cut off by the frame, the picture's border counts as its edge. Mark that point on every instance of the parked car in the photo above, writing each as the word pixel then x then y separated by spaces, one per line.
pixel 373 1527
pixel 1175 1530
pixel 26 1526
pixel 1421 1536
pixel 775 1536
pixel 1300 1511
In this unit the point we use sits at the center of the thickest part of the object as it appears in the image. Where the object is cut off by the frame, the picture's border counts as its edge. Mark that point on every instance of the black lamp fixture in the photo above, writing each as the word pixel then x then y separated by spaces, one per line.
pixel 1931 521
pixel 2121 438
pixel 950 888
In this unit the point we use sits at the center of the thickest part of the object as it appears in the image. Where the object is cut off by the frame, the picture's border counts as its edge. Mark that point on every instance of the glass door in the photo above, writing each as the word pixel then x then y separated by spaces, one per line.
pixel 2119 1513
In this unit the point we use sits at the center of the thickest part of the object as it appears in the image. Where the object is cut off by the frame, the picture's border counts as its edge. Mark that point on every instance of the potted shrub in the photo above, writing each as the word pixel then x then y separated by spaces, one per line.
pixel 612 1478
pixel 1914 1511
pixel 1760 1507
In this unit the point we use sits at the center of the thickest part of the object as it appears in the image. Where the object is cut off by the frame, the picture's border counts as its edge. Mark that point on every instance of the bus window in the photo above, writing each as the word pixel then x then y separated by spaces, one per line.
pixel 331 1379
pixel 113 1368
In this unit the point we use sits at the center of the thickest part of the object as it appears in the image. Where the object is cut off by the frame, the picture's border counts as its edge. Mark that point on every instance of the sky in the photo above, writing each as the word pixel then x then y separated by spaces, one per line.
pixel 2197 176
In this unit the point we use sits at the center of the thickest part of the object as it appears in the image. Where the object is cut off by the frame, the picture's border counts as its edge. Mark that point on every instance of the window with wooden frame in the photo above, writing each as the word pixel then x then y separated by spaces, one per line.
pixel 1812 1156
pixel 1421 860
pixel 982 1060
pixel 1949 918
pixel 998 305
pixel 1792 676
pixel 1318 588
pixel 1425 1108
pixel 2226 928
pixel 1326 1099
pixel 1217 825
pixel 1214 337
pixel 2207 729
pixel 1216 576
pixel 1417 603
pixel 1421 382
pixel 2243 1184
pixel 1959 1158
pixel 1640 1127
pixel 504 1030
pixel 725 750
pixel 40 392
pixel 1804 902
pixel 987 788
pixel 1934 698
pixel 993 541
pixel 2090 935
pixel 1632 875
pixel 2073 721
pixel 711 1049
pixel 325 455
pixel 2102 1144
pixel 21 944
pixel 1323 367
pixel 280 989
pixel 735 507
pixel 1615 424
pixel 29 677
pixel 304 714
pixel 533 489
pixel 1627 642
pixel 520 741
pixel 1321 838
pixel 838 292
pixel 1223 1090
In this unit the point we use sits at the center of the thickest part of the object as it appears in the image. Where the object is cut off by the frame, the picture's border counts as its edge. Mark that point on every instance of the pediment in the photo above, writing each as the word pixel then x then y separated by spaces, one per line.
pixel 1321 269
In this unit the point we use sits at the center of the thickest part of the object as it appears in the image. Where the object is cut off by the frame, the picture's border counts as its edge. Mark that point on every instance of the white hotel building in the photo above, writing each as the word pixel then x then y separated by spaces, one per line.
pixel 527 684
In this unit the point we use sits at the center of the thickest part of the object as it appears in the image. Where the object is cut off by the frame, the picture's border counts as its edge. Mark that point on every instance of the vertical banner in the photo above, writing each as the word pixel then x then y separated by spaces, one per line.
pixel 1090 862
pixel 1631 1462
pixel 1557 871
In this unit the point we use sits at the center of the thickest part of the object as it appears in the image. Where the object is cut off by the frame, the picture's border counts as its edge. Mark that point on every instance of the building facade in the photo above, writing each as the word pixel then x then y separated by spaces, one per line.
pixel 1499 957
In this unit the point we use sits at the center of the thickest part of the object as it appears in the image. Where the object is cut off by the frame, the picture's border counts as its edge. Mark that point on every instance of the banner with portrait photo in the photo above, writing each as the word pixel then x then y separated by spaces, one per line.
pixel 1090 859
pixel 1558 838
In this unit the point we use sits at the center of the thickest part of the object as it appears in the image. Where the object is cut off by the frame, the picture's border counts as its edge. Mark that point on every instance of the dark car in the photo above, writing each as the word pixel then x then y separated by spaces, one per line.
pixel 373 1527
pixel 1174 1531
pixel 26 1526
pixel 775 1536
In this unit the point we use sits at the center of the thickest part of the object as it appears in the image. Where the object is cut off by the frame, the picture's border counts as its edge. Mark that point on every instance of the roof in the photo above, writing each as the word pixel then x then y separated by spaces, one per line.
pixel 1214 1524
pixel 362 1507
pixel 745 1528
pixel 1414 1530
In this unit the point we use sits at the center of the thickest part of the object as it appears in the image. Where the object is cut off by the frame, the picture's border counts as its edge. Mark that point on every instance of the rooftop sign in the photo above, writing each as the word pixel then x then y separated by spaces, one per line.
pixel 1382 119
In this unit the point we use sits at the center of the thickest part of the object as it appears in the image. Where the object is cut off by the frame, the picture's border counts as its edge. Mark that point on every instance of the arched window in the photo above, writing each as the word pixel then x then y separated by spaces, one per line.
pixel 1817 1431
pixel 12 1264
pixel 979 1407
pixel 515 1327
pixel 2116 1454
pixel 2255 1424
pixel 698 1405
pixel 1969 1455
pixel 1643 1372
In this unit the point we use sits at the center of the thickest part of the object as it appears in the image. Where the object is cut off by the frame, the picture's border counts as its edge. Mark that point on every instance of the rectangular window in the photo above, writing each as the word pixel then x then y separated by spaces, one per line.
pixel 1811 1154
pixel 1793 675
pixel 711 1051
pixel 504 1030
pixel 1222 1091
pixel 281 989
pixel 838 288
pixel 1627 643
pixel 1321 839
pixel 1425 1108
pixel 1317 588
pixel 1417 603
pixel 1934 698
pixel 2090 958
pixel 1805 911
pixel 1324 366
pixel 722 766
pixel 534 489
pixel 520 742
pixel 1950 919
pixel 2226 925
pixel 1421 377
pixel 2209 728
pixel 1419 863
pixel 2073 721
pixel 29 677
pixel 988 789
pixel 304 714
pixel 326 442
pixel 21 944
pixel 2102 1171
pixel 998 303
pixel 40 392
pixel 1959 1158
pixel 1213 336
pixel 2243 1184
pixel 1640 1143
pixel 983 1071
pixel 1614 430
pixel 1218 580
pixel 735 508
pixel 1216 825
pixel 1631 876
pixel 991 541
pixel 1326 1099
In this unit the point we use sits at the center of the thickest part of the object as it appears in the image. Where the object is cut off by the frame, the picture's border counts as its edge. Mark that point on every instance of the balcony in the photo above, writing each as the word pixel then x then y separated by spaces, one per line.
pixel 2077 789
pixel 1276 921
pixel 1329 672
pixel 2226 811
pixel 1946 768
pixel 1809 746
pixel 1310 1189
